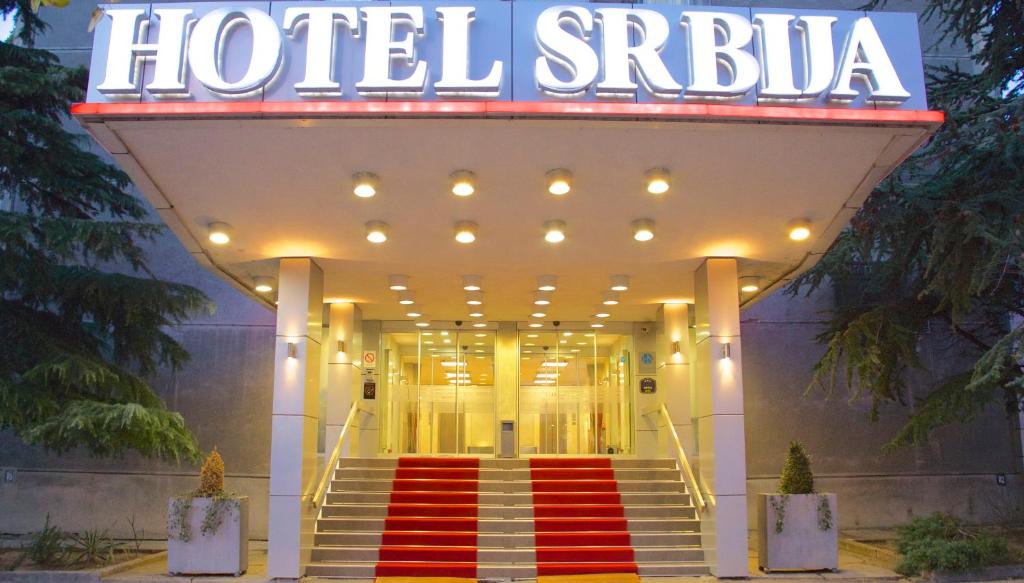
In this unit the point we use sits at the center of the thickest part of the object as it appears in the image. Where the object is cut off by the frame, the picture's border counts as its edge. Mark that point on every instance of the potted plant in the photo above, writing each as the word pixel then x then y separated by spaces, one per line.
pixel 797 527
pixel 208 529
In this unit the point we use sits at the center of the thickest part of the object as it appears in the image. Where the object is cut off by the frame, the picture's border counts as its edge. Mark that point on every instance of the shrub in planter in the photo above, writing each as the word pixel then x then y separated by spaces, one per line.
pixel 797 527
pixel 208 528
pixel 940 542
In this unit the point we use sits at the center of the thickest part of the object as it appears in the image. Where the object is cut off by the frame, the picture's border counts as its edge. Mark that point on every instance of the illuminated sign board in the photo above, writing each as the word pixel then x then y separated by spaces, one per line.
pixel 505 51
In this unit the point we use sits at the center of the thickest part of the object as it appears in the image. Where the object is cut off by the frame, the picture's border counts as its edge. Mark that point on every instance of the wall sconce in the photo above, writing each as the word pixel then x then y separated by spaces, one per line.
pixel 293 350
pixel 726 350
pixel 341 346
pixel 675 347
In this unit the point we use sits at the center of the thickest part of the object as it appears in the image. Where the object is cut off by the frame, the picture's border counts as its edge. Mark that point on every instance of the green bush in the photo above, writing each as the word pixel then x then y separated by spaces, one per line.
pixel 796 474
pixel 92 547
pixel 45 547
pixel 940 542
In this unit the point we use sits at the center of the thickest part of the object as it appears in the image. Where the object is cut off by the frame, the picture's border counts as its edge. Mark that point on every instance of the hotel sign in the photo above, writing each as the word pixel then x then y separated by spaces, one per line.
pixel 505 51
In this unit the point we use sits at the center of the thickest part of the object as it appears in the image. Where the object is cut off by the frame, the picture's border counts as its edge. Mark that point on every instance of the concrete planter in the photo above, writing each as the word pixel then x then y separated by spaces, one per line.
pixel 803 545
pixel 225 551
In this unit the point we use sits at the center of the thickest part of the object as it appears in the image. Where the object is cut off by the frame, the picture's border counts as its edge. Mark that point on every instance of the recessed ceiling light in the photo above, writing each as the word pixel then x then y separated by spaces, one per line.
pixel 541 299
pixel 546 283
pixel 610 298
pixel 376 231
pixel 428 334
pixel 422 324
pixel 532 335
pixel 413 312
pixel 364 184
pixel 538 315
pixel 559 181
pixel 643 229
pixel 463 182
pixel 619 282
pixel 554 231
pixel 530 344
pixel 220 233
pixel 398 282
pixel 597 325
pixel 480 335
pixel 474 298
pixel 750 284
pixel 480 325
pixel 535 324
pixel 476 314
pixel 263 284
pixel 799 230
pixel 406 298
pixel 465 231
pixel 602 315
pixel 428 341
pixel 471 282
pixel 657 180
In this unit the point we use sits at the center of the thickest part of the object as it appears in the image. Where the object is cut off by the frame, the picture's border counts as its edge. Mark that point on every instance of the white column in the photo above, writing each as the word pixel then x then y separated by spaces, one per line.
pixel 675 363
pixel 344 349
pixel 293 455
pixel 719 402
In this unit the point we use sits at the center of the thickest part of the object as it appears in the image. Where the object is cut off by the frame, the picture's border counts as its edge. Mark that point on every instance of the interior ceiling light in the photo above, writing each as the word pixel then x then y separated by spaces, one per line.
pixel 657 180
pixel 476 314
pixel 377 232
pixel 799 230
pixel 554 231
pixel 463 182
pixel 406 298
pixel 474 298
pixel 546 283
pixel 423 324
pixel 413 312
pixel 538 315
pixel 559 181
pixel 750 284
pixel 535 324
pixel 365 184
pixel 619 282
pixel 610 298
pixel 398 282
pixel 263 284
pixel 643 229
pixel 220 233
pixel 472 282
pixel 554 363
pixel 541 299
pixel 597 325
pixel 601 313
pixel 465 231
pixel 480 325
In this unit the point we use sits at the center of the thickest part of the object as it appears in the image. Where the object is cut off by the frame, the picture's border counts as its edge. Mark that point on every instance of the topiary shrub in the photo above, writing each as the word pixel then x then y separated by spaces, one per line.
pixel 796 474
pixel 211 476
pixel 940 542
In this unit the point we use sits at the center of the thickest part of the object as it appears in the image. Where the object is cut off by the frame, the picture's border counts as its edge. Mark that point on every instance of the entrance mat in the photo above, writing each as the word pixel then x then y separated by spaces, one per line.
pixel 431 554
pixel 597 578
pixel 582 539
pixel 446 538
pixel 577 510
pixel 584 568
pixel 584 555
pixel 437 497
pixel 438 462
pixel 581 486
pixel 420 569
pixel 569 462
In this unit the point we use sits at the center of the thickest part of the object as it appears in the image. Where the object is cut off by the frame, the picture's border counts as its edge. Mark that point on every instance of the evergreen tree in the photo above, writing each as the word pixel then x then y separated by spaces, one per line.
pixel 940 243
pixel 83 322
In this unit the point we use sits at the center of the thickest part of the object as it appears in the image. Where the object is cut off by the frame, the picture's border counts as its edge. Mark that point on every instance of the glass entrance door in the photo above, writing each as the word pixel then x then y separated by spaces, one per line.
pixel 439 392
pixel 575 393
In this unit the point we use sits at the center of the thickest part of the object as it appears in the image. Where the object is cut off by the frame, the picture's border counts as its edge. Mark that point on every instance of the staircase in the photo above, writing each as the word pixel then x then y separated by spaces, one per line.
pixel 502 519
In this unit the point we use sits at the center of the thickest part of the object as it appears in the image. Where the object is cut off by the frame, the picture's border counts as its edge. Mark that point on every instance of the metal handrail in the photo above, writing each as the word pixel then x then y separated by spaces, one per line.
pixel 332 463
pixel 687 471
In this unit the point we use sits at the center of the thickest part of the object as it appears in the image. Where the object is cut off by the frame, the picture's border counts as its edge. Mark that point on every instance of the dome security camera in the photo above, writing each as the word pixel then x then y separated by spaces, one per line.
pixel 458 322
pixel 556 323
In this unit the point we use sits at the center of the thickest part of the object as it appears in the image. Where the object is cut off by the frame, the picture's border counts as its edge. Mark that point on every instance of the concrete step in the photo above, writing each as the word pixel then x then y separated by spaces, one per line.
pixel 525 555
pixel 496 571
pixel 514 499
pixel 673 569
pixel 514 540
pixel 513 525
pixel 487 512
pixel 513 475
pixel 507 464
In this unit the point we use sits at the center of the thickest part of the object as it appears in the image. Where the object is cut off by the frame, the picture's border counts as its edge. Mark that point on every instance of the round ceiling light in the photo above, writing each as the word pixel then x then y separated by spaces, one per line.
pixel 559 181
pixel 365 184
pixel 799 230
pixel 398 282
pixel 465 232
pixel 263 284
pixel 643 229
pixel 610 298
pixel 377 232
pixel 541 299
pixel 472 282
pixel 422 324
pixel 405 298
pixel 220 233
pixel 538 315
pixel 547 283
pixel 657 180
pixel 463 182
pixel 554 231
pixel 618 282
pixel 480 324
pixel 750 284
pixel 413 312
pixel 474 298
pixel 476 314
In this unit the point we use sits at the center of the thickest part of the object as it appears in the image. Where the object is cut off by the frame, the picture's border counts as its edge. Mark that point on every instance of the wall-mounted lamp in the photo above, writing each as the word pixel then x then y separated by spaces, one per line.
pixel 726 350
pixel 341 346
pixel 675 347
pixel 293 350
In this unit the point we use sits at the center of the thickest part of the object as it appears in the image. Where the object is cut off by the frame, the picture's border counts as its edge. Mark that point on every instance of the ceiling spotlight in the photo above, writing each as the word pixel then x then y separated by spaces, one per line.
pixel 601 314
pixel 476 314
pixel 799 230
pixel 596 325
pixel 377 232
pixel 474 298
pixel 535 324
pixel 263 284
pixel 619 282
pixel 643 229
pixel 559 181
pixel 750 284
pixel 554 231
pixel 546 283
pixel 465 231
pixel 657 180
pixel 398 282
pixel 220 233
pixel 405 298
pixel 463 182
pixel 471 282
pixel 364 184
pixel 480 325
pixel 541 299
pixel 610 298
pixel 413 312
pixel 538 315
pixel 422 324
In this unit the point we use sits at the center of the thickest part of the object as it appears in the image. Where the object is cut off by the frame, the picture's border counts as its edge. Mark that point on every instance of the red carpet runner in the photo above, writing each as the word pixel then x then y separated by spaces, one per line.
pixel 578 518
pixel 431 528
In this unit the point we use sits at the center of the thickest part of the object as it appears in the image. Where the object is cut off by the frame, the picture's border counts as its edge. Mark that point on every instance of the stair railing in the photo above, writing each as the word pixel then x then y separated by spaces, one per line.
pixel 332 463
pixel 684 464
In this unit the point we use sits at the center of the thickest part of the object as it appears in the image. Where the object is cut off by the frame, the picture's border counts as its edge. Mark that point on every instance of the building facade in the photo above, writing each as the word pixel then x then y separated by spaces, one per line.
pixel 568 250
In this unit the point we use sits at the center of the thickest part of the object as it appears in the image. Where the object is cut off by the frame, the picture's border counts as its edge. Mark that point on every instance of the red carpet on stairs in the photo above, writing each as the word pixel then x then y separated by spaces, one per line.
pixel 431 526
pixel 579 519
